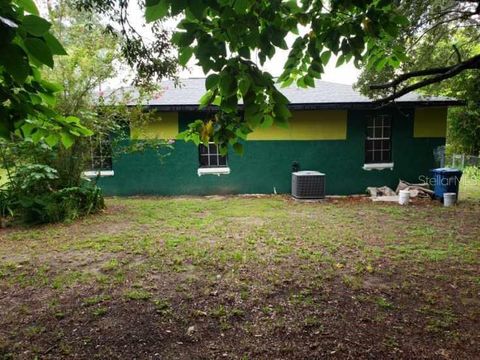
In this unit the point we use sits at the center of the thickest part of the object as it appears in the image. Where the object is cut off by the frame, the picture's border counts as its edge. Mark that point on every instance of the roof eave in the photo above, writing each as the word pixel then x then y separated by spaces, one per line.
pixel 324 106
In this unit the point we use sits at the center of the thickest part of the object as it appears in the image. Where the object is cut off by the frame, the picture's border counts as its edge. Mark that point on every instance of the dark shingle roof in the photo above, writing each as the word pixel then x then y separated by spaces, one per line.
pixel 324 95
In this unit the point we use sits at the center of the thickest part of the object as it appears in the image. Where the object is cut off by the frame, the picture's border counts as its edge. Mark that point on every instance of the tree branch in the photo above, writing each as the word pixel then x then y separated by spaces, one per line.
pixel 404 77
pixel 457 52
pixel 441 74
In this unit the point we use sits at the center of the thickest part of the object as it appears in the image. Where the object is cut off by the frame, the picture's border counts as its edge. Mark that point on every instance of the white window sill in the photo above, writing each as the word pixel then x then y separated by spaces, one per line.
pixel 378 166
pixel 93 173
pixel 224 170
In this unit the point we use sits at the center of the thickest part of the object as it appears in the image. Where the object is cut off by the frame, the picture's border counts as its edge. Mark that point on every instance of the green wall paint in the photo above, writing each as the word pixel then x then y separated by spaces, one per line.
pixel 266 165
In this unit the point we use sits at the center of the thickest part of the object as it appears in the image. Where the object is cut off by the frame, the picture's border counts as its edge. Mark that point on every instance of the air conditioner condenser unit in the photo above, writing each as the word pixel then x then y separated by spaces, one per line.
pixel 308 185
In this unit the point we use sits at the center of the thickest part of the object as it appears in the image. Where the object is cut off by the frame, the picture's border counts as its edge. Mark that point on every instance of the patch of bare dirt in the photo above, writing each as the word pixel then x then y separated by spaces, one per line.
pixel 334 325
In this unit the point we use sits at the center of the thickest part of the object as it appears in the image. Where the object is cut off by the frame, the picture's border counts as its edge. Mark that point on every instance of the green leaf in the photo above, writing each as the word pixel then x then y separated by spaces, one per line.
pixel 83 131
pixel 289 81
pixel 253 118
pixel 39 50
pixel 48 99
pixel 206 99
pixel 242 132
pixel 267 121
pixel 211 81
pixel 244 52
pixel 197 7
pixel 316 66
pixel 37 75
pixel 35 25
pixel 67 139
pixel 402 20
pixel 223 149
pixel 283 45
pixel 15 61
pixel 242 6
pixel 244 85
pixel 238 148
pixel 51 140
pixel 340 61
pixel 381 63
pixel 51 86
pixel 157 11
pixel 280 98
pixel 301 82
pixel 226 84
pixel 183 39
pixel 28 6
pixel 282 114
pixel 309 81
pixel 27 129
pixel 184 55
pixel 394 62
pixel 37 136
pixel 178 6
pixel 54 44
pixel 325 57
pixel 72 120
pixel 182 135
pixel 294 8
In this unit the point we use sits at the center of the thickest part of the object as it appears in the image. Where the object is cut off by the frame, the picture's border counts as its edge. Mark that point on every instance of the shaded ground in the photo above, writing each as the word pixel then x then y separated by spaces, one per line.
pixel 245 278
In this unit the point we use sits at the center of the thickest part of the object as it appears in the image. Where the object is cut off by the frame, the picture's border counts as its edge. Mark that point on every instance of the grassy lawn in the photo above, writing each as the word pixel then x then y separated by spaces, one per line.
pixel 470 186
pixel 246 278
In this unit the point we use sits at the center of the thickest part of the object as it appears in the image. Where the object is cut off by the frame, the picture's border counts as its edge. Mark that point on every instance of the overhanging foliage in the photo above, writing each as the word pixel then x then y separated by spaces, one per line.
pixel 26 99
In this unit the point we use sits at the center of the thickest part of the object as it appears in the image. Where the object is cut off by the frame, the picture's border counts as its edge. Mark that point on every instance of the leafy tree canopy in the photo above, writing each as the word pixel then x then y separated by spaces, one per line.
pixel 26 99
pixel 226 35
pixel 442 52
pixel 93 58
pixel 442 37
pixel 152 58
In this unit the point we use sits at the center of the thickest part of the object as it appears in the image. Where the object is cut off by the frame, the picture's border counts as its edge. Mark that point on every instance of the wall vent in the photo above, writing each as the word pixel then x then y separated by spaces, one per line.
pixel 308 185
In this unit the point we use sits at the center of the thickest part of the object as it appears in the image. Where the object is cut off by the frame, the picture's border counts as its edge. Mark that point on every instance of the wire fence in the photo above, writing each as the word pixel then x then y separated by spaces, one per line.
pixel 458 161
pixel 461 161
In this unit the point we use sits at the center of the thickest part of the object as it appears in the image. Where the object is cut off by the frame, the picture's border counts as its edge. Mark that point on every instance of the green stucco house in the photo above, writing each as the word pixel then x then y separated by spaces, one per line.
pixel 334 130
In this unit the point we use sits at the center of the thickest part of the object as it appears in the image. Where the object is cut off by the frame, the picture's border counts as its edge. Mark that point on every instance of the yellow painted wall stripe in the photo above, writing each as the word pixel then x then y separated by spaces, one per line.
pixel 163 126
pixel 430 122
pixel 307 125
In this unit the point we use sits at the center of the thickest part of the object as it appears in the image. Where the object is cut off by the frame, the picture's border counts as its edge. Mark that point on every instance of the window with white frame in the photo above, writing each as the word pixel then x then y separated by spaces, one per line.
pixel 100 154
pixel 210 157
pixel 378 143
